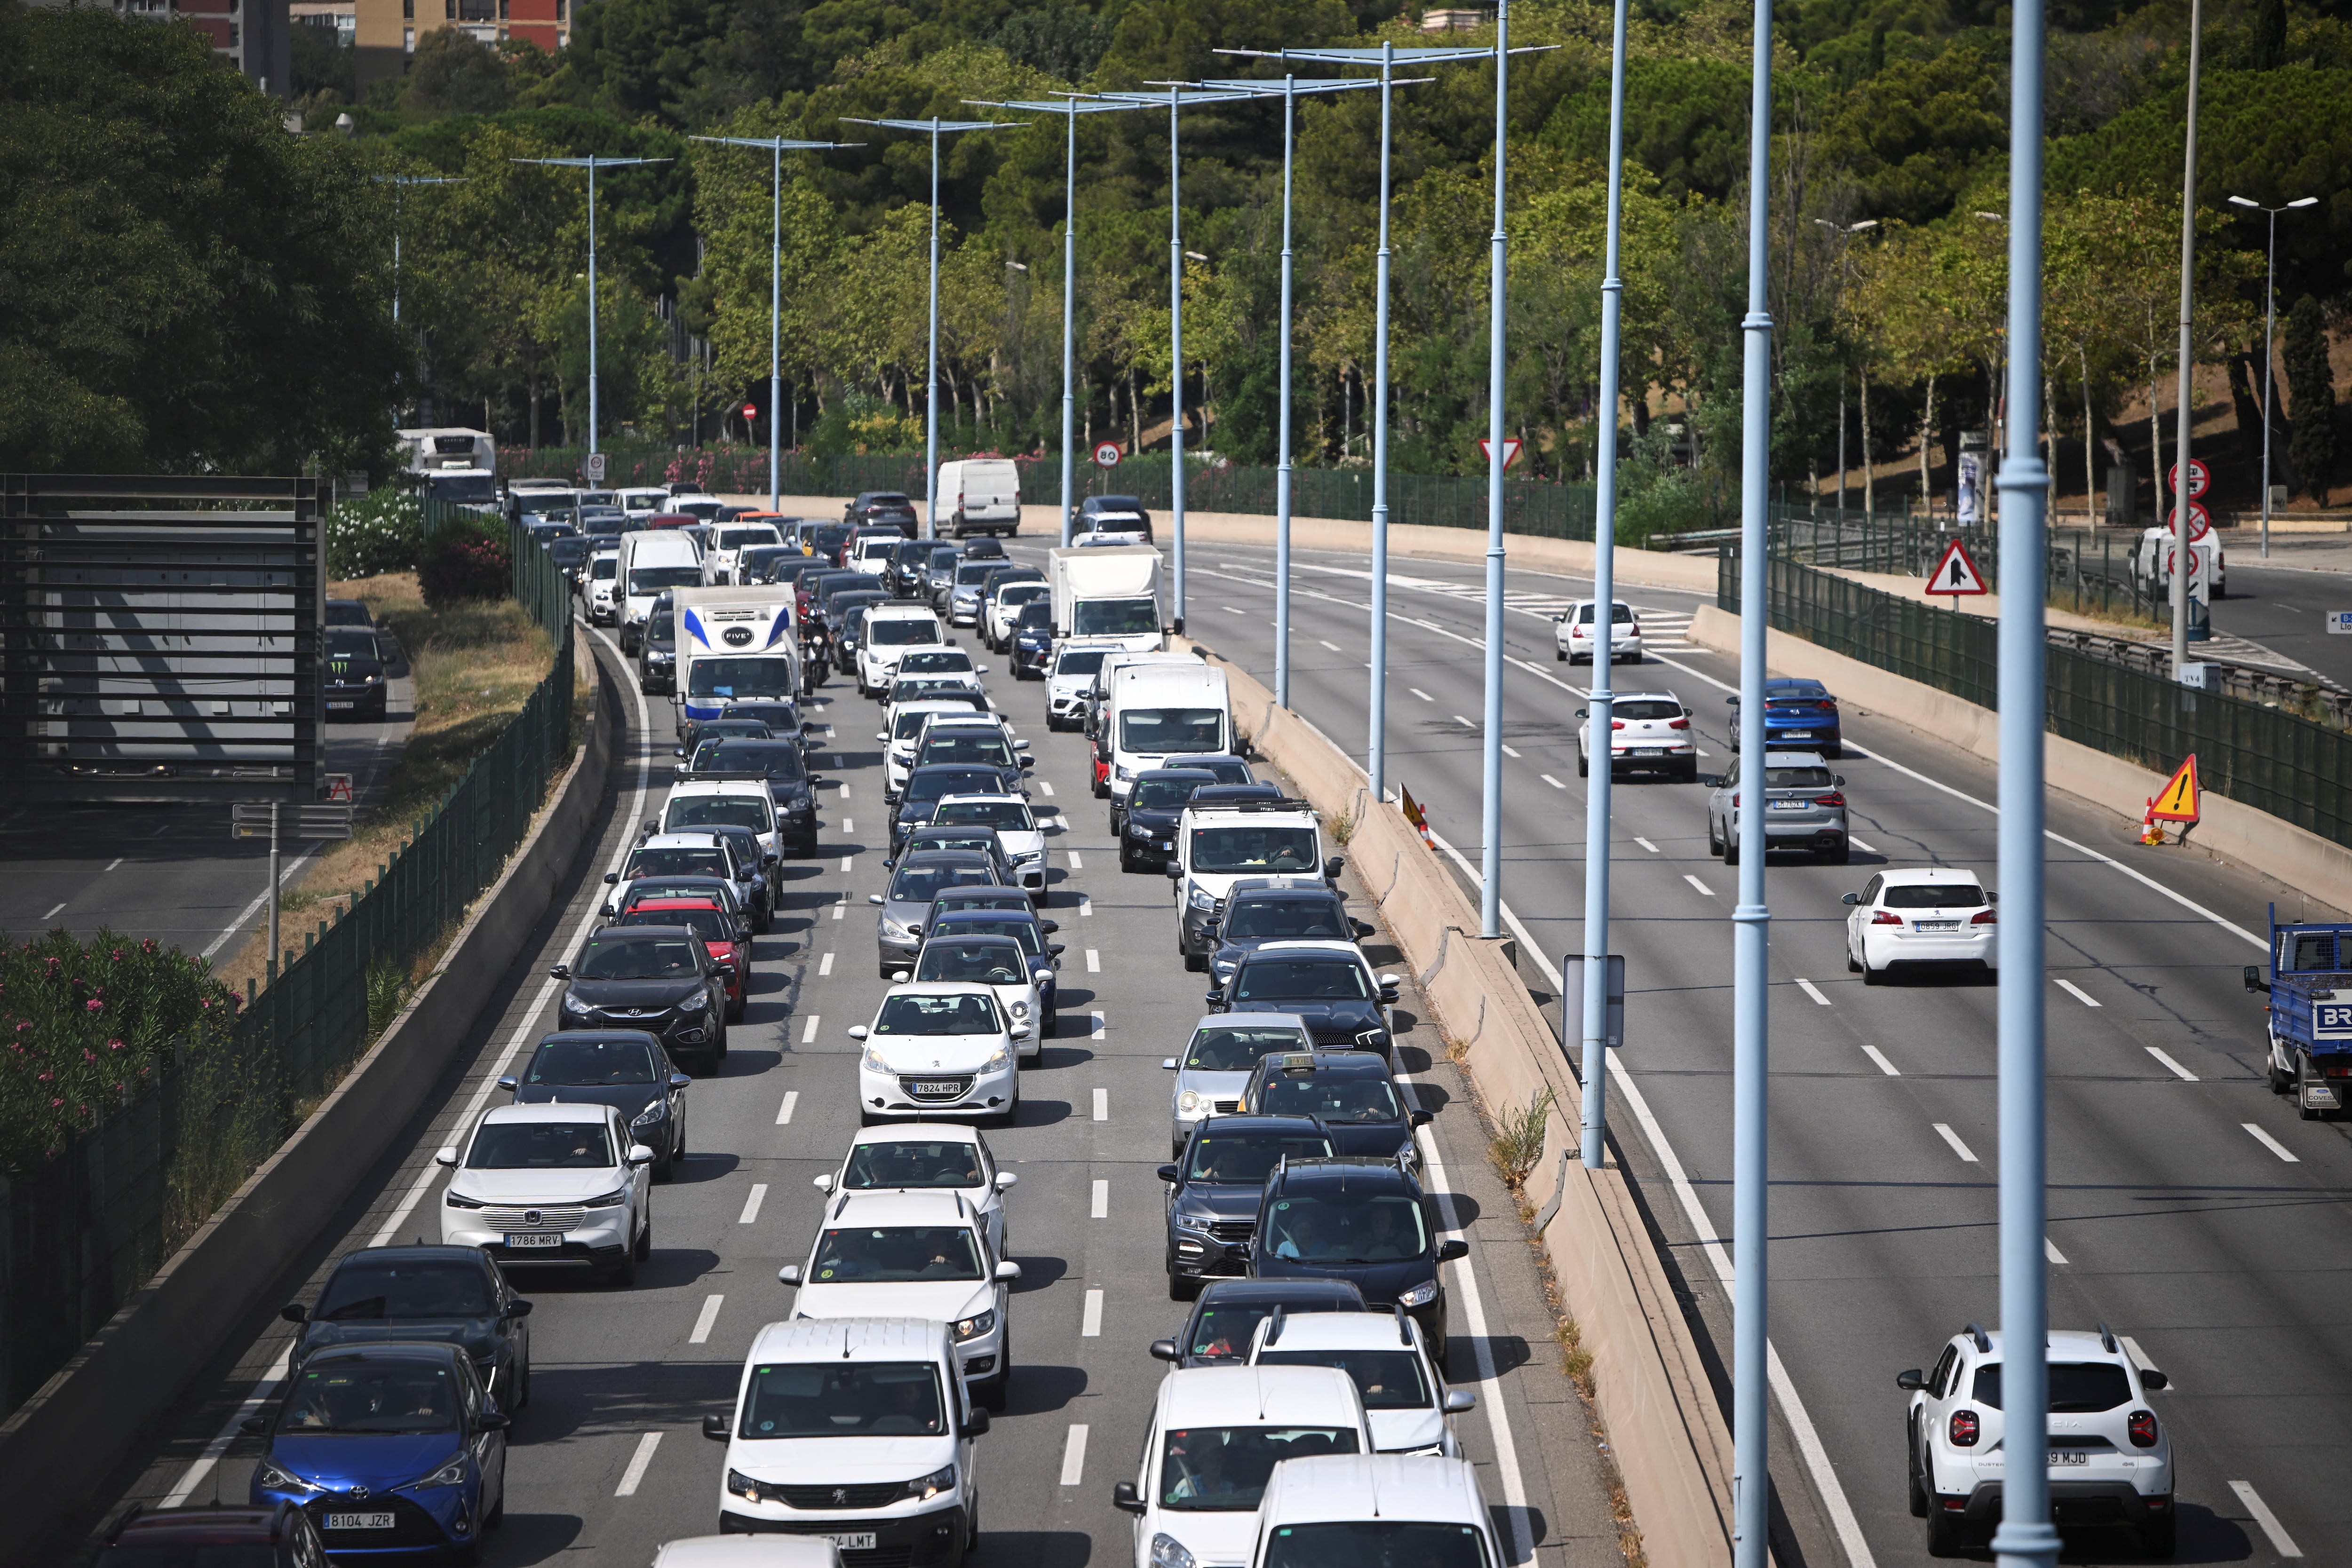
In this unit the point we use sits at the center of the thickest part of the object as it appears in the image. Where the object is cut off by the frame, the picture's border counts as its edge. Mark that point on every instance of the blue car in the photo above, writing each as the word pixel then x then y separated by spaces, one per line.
pixel 1799 716
pixel 391 1448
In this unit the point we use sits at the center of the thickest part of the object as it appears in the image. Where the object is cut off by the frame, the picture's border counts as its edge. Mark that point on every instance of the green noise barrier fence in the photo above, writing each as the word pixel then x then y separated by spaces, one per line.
pixel 80 1233
pixel 2261 757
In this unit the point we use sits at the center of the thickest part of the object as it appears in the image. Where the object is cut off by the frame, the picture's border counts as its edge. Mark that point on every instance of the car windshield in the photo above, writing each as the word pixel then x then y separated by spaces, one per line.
pixel 734 729
pixel 765 676
pixel 679 861
pixel 540 1146
pixel 1798 779
pixel 1080 661
pixel 583 1063
pixel 893 1254
pixel 780 761
pixel 920 883
pixel 603 568
pixel 1012 815
pixel 901 632
pixel 1387 1379
pixel 1253 848
pixel 1619 614
pixel 1332 1097
pixel 742 539
pixel 660 629
pixel 1281 919
pixel 646 580
pixel 708 924
pixel 1248 1157
pixel 1346 1228
pixel 617 957
pixel 718 811
pixel 929 1162
pixel 1375 1543
pixel 936 661
pixel 974 748
pixel 1115 618
pixel 980 841
pixel 364 1290
pixel 1236 1048
pixel 964 1012
pixel 1024 932
pixel 1264 979
pixel 1172 729
pixel 996 963
pixel 925 790
pixel 843 1400
pixel 1932 895
pixel 831 537
pixel 718 891
pixel 1102 504
pixel 2076 1387
pixel 1223 1469
pixel 345 644
pixel 1013 593
pixel 1639 707
pixel 1035 613
pixel 360 1396
pixel 1161 794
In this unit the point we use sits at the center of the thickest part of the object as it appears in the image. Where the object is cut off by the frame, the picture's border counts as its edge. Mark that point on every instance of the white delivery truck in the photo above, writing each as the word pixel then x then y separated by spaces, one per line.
pixel 1108 591
pixel 1159 713
pixel 2151 566
pixel 451 463
pixel 734 644
pixel 978 495
pixel 652 564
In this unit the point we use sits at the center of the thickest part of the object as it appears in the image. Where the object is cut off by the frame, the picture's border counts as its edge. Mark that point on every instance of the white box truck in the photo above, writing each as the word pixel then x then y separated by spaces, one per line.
pixel 1108 591
pixel 734 644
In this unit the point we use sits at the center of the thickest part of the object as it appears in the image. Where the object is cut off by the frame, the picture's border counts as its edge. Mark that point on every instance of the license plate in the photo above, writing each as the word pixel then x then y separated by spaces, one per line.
pixel 928 1086
pixel 2062 1457
pixel 1786 805
pixel 1796 735
pixel 1648 751
pixel 1939 925
pixel 549 1240
pixel 851 1539
pixel 360 1521
pixel 333 704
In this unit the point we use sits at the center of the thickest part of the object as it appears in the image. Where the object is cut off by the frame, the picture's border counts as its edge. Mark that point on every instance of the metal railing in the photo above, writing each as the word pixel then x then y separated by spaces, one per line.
pixel 80 1233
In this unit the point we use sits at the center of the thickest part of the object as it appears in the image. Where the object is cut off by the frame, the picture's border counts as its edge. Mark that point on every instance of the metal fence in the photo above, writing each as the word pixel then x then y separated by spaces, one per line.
pixel 2259 756
pixel 2089 570
pixel 79 1234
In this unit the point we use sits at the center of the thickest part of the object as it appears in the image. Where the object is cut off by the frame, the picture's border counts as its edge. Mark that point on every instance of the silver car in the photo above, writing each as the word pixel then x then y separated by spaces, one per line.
pixel 1217 1062
pixel 1804 809
pixel 914 883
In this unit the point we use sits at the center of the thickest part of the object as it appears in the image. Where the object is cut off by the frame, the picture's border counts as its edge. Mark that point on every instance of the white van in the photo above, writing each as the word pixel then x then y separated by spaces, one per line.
pixel 652 564
pixel 728 541
pixel 1370 1509
pixel 856 1431
pixel 642 499
pixel 1159 713
pixel 978 496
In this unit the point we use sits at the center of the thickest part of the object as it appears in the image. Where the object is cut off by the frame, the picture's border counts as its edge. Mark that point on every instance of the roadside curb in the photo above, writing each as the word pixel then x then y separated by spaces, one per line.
pixel 87 1417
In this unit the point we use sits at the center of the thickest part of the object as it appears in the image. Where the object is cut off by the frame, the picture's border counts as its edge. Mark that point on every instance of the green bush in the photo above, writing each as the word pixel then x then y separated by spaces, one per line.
pixel 379 532
pixel 468 557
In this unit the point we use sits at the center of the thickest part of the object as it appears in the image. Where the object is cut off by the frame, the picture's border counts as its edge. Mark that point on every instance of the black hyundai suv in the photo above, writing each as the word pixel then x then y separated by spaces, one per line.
pixel 1213 1191
pixel 658 978
pixel 1359 1219
pixel 455 1294
pixel 1328 983
pixel 890 506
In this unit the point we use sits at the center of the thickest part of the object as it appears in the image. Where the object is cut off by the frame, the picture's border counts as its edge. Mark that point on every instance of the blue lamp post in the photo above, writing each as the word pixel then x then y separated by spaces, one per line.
pixel 591 164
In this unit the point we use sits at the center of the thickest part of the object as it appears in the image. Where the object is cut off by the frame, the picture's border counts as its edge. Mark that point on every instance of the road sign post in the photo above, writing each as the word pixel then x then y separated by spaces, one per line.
pixel 595 465
pixel 268 818
pixel 2201 478
pixel 1107 455
pixel 2339 621
pixel 1956 574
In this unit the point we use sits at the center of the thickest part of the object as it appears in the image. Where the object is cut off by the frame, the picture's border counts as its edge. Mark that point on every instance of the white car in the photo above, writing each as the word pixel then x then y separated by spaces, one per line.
pixel 560 1183
pixel 979 958
pixel 1072 676
pixel 939 1049
pixel 941 661
pixel 727 543
pixel 902 730
pixel 1004 608
pixel 604 572
pixel 888 632
pixel 1017 831
pixel 699 803
pixel 1376 1508
pixel 1646 730
pixel 1405 1392
pixel 2110 1459
pixel 915 1156
pixel 1217 1063
pixel 857 1433
pixel 1928 915
pixel 642 499
pixel 1573 640
pixel 918 1255
pixel 1216 1435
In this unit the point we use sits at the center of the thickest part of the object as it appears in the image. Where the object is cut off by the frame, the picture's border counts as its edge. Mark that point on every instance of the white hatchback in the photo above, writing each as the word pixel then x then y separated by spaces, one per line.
pixel 1926 915
pixel 939 1049
pixel 1646 730
pixel 980 958
pixel 1017 833
pixel 904 1157
pixel 551 1183
pixel 1573 640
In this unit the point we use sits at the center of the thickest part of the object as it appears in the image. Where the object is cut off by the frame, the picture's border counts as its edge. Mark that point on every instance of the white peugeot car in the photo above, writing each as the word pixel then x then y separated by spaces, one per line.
pixel 1573 640
pixel 1648 730
pixel 939 1049
pixel 551 1183
pixel 2110 1458
pixel 1017 833
pixel 1928 915
pixel 907 1156
pixel 1405 1396
pixel 916 1255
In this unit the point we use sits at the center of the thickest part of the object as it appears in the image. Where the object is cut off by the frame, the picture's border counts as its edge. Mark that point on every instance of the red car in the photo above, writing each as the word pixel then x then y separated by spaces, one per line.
pixel 711 922
pixel 280 1537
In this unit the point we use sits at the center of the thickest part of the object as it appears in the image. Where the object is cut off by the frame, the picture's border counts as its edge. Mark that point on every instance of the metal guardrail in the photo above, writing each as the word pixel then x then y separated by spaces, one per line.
pixel 80 1233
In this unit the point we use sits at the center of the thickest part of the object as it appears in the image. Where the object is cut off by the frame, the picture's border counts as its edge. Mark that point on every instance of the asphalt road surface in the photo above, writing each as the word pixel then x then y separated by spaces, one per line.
pixel 2284 608
pixel 608 1461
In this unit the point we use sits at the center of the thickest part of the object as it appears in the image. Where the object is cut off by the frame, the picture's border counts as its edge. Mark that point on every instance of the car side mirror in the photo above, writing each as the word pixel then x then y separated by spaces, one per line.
pixel 2153 1381
pixel 1007 1180
pixel 1448 1251
pixel 680 769
pixel 1388 994
pixel 1008 1272
pixel 858 1031
pixel 1838 780
pixel 1850 898
pixel 1026 760
pixel 493 1421
pixel 1333 867
pixel 1049 927
pixel 821 1183
pixel 1585 713
pixel 881 735
pixel 508 1082
pixel 640 1156
pixel 679 751
pixel 446 1157
pixel 1124 1498
pixel 294 1312
pixel 679 1081
pixel 772 859
pixel 1018 1031
pixel 790 1274
pixel 900 976
pixel 715 1429
pixel 1168 1174
pixel 611 877
pixel 1733 701
pixel 1166 1350
pixel 975 1423
pixel 1214 998
pixel 2254 979
pixel 518 1308
pixel 1421 1118
pixel 561 971
pixel 1912 1381
pixel 255 1426
pixel 1459 1401
pixel 1175 872
pixel 1055 949
pixel 873 898
pixel 1168 1064
pixel 608 912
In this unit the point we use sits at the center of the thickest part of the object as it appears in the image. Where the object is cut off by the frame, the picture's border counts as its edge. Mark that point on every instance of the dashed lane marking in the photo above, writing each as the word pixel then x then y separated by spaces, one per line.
pixel 1646 844
pixel 2171 1066
pixel 792 1099
pixel 638 1462
pixel 2281 1541
pixel 1090 1321
pixel 1944 1131
pixel 1885 1066
pixel 1705 890
pixel 825 965
pixel 2075 991
pixel 1100 1206
pixel 1550 780
pixel 1813 991
pixel 706 1319
pixel 1093 961
pixel 1073 1454
pixel 759 1195
pixel 2273 1145
pixel 1102 1098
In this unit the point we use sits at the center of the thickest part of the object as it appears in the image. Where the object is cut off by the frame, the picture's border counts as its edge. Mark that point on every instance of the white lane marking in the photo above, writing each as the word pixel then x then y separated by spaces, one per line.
pixel 1090 1321
pixel 792 1099
pixel 637 1463
pixel 845 861
pixel 244 917
pixel 1333 646
pixel 1646 844
pixel 1705 890
pixel 1421 695
pixel 1508 751
pixel 808 1029
pixel 1097 1033
pixel 2141 1358
pixel 1076 863
pixel 1102 1096
pixel 1944 1130
pixel 1813 991
pixel 1100 1208
pixel 839 910
pixel 2173 1067
pixel 759 1195
pixel 158 833
pixel 111 864
pixel 2049 1250
pixel 1073 1454
pixel 1850 839
pixel 2281 1541
pixel 849 824
pixel 52 915
pixel 1464 722
pixel 706 1319
pixel 203 1462
pixel 1550 780
pixel 2273 1145
pixel 1093 962
pixel 825 965
pixel 1047 786
pixel 1231 611
pixel 1086 907
pixel 845 789
pixel 2075 991
pixel 1885 1066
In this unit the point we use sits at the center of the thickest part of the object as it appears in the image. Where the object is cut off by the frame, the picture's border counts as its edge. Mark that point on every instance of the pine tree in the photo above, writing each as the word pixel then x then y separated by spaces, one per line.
pixel 2311 389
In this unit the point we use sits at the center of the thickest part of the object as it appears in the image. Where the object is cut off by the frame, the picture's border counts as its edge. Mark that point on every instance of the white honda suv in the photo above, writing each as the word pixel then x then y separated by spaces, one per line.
pixel 2110 1459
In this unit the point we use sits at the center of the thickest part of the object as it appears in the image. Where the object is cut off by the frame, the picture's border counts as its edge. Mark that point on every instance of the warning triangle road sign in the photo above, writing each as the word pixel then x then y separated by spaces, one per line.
pixel 2178 801
pixel 1955 573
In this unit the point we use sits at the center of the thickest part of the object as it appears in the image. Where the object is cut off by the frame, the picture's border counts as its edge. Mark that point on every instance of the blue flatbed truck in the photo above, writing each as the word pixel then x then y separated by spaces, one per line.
pixel 2310 1023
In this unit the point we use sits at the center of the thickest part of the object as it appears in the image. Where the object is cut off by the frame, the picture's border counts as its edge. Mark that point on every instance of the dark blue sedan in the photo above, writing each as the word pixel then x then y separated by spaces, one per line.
pixel 1798 715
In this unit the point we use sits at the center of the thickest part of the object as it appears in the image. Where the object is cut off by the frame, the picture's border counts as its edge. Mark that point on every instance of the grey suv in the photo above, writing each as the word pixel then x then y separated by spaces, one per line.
pixel 1804 809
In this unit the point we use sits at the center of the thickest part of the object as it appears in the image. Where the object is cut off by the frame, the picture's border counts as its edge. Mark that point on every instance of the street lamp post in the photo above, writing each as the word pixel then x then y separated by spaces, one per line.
pixel 399 184
pixel 776 146
pixel 2186 398
pixel 935 127
pixel 2270 327
pixel 591 164
pixel 1490 788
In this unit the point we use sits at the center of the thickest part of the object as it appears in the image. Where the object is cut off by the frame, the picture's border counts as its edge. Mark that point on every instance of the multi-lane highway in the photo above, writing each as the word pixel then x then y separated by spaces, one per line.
pixel 2284 607
pixel 608 1460
pixel 2189 1208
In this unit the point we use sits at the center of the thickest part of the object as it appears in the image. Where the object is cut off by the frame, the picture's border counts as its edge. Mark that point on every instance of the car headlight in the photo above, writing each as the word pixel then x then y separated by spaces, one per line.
pixel 742 1486
pixel 458 1200
pixel 449 1475
pixel 1167 1552
pixel 874 1063
pixel 1188 1101
pixel 1183 1221
pixel 938 1481
pixel 657 1112
pixel 1419 1296
pixel 269 1476
pixel 1202 898
pixel 997 1060
pixel 893 929
pixel 695 1003
pixel 1373 1039
pixel 1122 774
pixel 1021 1009
pixel 1138 830
pixel 973 1327
pixel 613 1199
pixel 577 1009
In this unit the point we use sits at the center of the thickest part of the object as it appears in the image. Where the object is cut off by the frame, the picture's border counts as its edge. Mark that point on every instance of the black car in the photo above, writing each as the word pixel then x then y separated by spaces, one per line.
pixel 784 766
pixel 986 897
pixel 1033 641
pixel 756 564
pixel 730 724
pixel 657 978
pixel 623 1068
pixel 454 1294
pixel 657 651
pixel 983 549
pixel 355 682
pixel 235 1535
pixel 780 714
pixel 890 506
pixel 976 745
pixel 1350 1092
pixel 349 613
pixel 1364 1220
pixel 1146 821
pixel 1226 1317
pixel 939 575
pixel 1262 909
pixel 1213 1191
pixel 966 836
pixel 958 912
pixel 925 785
pixel 909 563
pixel 1344 1004
pixel 570 554
pixel 1109 515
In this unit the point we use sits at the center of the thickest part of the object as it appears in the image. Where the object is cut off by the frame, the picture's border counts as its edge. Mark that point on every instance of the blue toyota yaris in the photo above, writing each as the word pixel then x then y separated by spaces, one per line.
pixel 390 1449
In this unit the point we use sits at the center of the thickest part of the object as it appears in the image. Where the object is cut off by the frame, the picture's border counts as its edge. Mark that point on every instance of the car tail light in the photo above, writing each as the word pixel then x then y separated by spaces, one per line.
pixel 1834 798
pixel 1826 706
pixel 1964 1429
pixel 2142 1426
pixel 1983 917
pixel 1677 724
pixel 1884 918
pixel 1616 723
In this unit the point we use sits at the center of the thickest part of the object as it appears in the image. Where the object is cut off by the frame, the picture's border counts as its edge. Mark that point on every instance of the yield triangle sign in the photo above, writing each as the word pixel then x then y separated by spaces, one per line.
pixel 2178 801
pixel 1510 449
pixel 1955 573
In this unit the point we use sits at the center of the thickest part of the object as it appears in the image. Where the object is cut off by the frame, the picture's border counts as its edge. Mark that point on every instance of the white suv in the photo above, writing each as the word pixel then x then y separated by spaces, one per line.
pixel 1926 914
pixel 1573 640
pixel 1646 730
pixel 890 630
pixel 1022 841
pixel 1405 1396
pixel 1076 663
pixel 1380 1508
pixel 551 1183
pixel 2110 1459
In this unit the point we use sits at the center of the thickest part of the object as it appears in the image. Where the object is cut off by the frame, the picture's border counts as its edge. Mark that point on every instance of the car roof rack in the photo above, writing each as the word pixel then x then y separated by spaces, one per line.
pixel 1976 1332
pixel 1285 805
pixel 2108 1339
